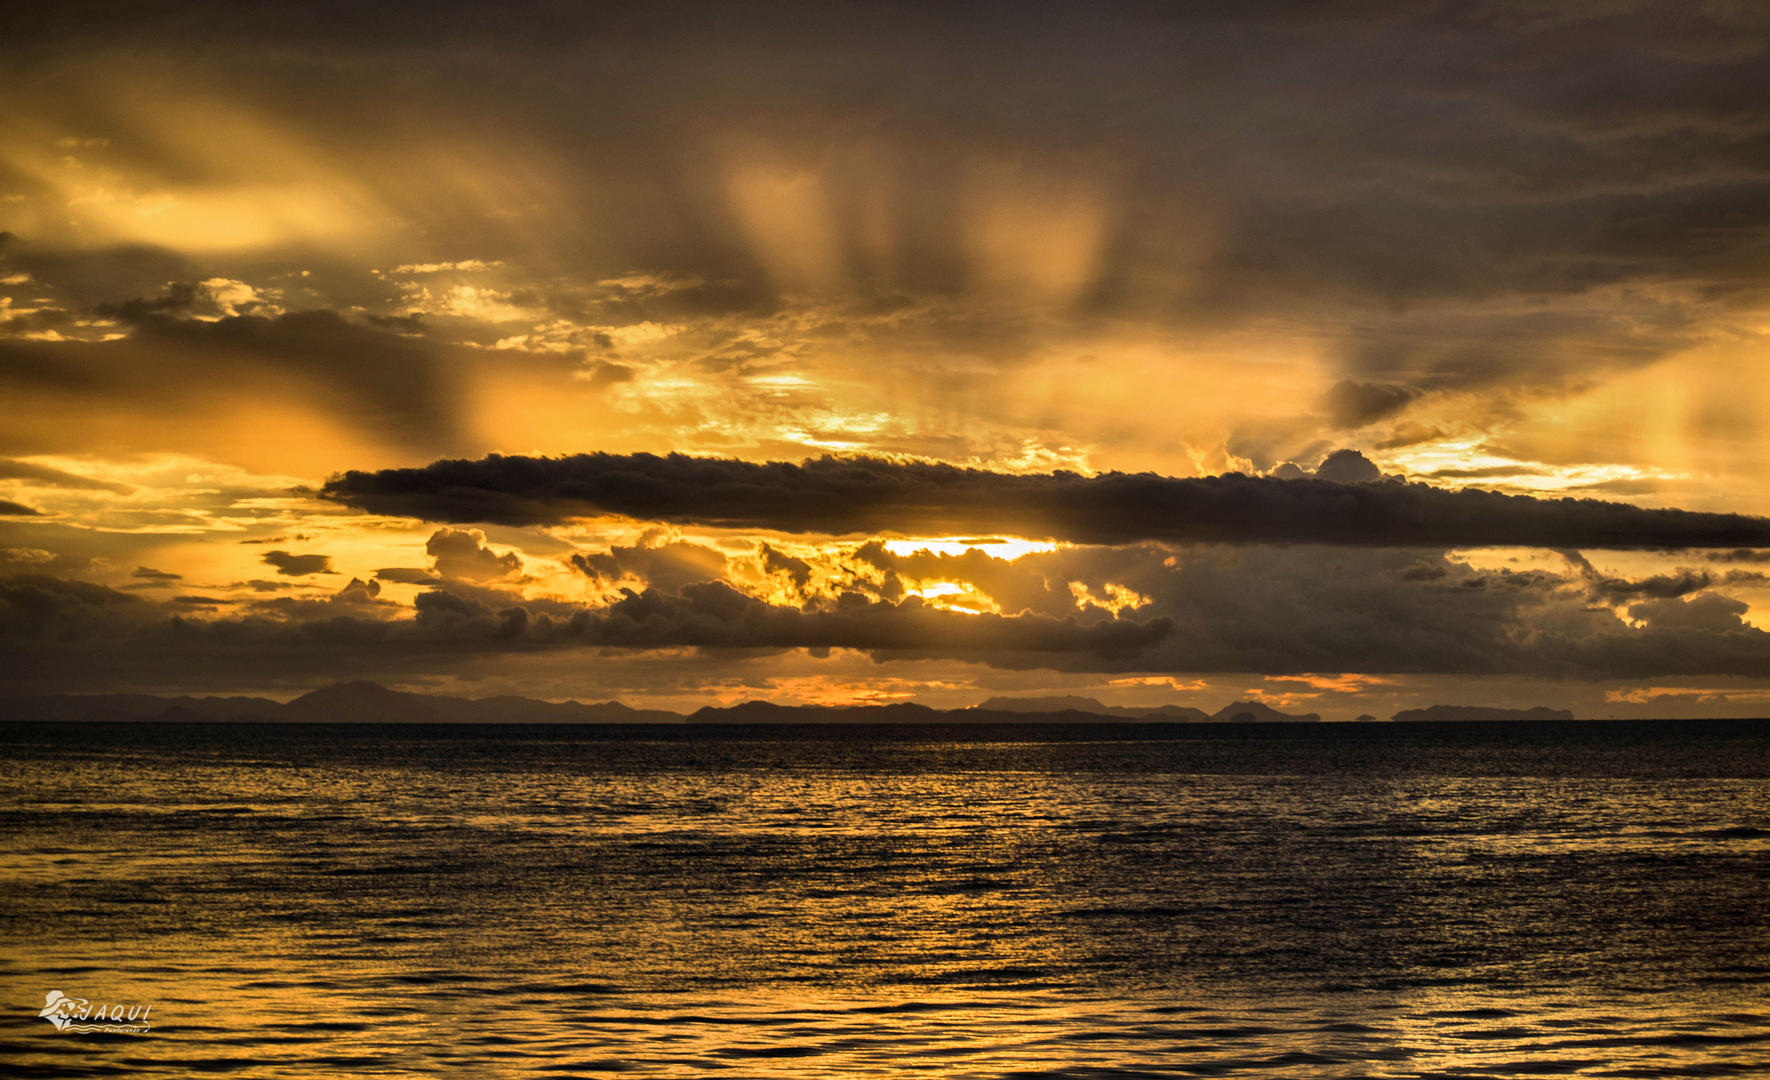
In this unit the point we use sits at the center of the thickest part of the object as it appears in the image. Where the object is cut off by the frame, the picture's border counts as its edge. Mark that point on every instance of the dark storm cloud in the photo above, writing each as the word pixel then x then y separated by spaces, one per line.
pixel 664 566
pixel 1710 611
pixel 44 476
pixel 1382 611
pixel 1741 555
pixel 39 606
pixel 858 495
pixel 1683 581
pixel 796 570
pixel 606 374
pixel 1492 472
pixel 297 565
pixel 1348 467
pixel 1443 177
pixel 399 324
pixel 54 632
pixel 1257 609
pixel 1355 404
pixel 714 615
pixel 12 509
pixel 406 575
pixel 89 278
pixel 462 554
pixel 381 382
pixel 180 297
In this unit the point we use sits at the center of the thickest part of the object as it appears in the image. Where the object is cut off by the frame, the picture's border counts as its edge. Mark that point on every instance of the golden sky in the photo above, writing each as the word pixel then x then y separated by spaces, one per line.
pixel 1513 247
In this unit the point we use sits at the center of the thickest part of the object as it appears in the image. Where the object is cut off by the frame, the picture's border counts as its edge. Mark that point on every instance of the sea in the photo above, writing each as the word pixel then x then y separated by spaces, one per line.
pixel 1112 900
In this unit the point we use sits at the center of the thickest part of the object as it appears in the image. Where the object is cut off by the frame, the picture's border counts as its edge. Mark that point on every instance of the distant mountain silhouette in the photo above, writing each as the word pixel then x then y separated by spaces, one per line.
pixel 767 712
pixel 1481 712
pixel 1242 712
pixel 1252 712
pixel 1167 713
pixel 372 703
pixel 347 703
pixel 998 710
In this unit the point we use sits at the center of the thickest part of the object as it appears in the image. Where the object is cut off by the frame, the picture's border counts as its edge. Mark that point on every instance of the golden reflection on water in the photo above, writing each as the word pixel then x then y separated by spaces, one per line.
pixel 299 902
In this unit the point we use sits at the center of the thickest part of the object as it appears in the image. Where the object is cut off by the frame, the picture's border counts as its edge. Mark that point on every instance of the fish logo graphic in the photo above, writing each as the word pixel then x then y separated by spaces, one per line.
pixel 72 1014
pixel 60 1009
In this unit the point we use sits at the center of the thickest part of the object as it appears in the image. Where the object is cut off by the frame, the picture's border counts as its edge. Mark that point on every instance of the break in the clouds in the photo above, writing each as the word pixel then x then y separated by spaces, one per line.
pixel 841 496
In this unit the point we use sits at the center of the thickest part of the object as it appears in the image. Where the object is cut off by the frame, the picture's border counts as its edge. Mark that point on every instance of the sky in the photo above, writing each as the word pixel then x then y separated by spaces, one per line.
pixel 859 352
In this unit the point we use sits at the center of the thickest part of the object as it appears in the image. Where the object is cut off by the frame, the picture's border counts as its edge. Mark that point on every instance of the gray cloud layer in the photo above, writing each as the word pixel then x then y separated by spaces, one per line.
pixel 54 631
pixel 377 380
pixel 1260 609
pixel 1451 180
pixel 45 476
pixel 861 495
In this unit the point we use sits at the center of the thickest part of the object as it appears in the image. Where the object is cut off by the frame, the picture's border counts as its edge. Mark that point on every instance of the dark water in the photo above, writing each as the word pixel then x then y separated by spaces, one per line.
pixel 1310 900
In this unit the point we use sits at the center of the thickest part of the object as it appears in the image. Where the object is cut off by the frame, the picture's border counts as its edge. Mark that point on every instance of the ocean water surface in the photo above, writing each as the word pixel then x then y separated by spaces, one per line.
pixel 1586 899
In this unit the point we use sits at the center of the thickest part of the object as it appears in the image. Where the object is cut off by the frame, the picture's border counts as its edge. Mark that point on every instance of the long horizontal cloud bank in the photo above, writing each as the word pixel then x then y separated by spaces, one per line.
pixel 55 632
pixel 1258 608
pixel 841 496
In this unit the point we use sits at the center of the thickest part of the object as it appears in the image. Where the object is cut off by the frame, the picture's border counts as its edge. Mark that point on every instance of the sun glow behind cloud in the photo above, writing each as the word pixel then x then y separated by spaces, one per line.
pixel 269 270
pixel 997 547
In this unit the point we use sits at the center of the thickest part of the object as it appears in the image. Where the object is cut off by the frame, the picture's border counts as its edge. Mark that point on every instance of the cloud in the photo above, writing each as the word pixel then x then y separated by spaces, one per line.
pixel 841 496
pixel 406 575
pixel 1348 467
pixel 654 562
pixel 713 615
pixel 357 599
pixel 1281 611
pixel 461 553
pixel 1489 472
pixel 44 476
pixel 604 374
pixel 1709 611
pixel 39 606
pixel 298 565
pixel 434 268
pixel 10 508
pixel 1355 404
pixel 150 574
pixel 54 629
pixel 1612 590
pixel 1431 213
pixel 1447 174
pixel 857 227
pixel 1740 555
pixel 796 570
pixel 368 378
pixel 1284 611
pixel 1320 609
pixel 27 556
